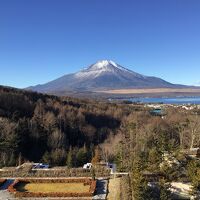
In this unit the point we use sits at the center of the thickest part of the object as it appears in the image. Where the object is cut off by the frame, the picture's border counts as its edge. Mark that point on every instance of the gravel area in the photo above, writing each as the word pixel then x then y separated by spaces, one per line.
pixel 5 195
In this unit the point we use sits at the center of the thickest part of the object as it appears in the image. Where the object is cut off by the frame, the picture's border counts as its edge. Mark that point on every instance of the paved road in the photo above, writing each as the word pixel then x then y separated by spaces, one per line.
pixel 119 173
pixel 101 189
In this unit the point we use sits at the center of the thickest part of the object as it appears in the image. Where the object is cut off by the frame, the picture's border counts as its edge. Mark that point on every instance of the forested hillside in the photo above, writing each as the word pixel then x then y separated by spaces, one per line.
pixel 156 149
pixel 38 127
pixel 69 131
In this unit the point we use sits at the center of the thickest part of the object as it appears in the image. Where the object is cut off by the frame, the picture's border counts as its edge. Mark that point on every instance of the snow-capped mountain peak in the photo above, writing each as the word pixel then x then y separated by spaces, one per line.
pixel 102 67
pixel 103 63
pixel 102 75
pixel 106 65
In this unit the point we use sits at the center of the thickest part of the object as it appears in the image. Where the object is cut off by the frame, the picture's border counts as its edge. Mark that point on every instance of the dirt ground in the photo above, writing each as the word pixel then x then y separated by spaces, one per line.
pixel 114 189
pixel 153 90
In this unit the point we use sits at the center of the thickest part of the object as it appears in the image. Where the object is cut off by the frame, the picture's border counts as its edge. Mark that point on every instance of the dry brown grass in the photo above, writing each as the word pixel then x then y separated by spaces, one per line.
pixel 53 187
pixel 152 90
pixel 114 189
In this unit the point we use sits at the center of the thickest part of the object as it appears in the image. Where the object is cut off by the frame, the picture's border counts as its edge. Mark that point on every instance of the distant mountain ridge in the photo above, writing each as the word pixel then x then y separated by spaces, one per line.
pixel 101 76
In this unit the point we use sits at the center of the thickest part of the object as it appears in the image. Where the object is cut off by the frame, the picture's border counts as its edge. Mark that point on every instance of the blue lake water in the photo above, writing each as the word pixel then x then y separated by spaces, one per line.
pixel 174 100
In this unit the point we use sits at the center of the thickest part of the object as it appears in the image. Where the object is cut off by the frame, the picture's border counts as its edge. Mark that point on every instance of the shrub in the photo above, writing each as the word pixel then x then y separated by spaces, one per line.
pixel 64 172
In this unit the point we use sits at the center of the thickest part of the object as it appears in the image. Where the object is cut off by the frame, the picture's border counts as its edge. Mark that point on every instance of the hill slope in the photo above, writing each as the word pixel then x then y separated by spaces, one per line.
pixel 39 127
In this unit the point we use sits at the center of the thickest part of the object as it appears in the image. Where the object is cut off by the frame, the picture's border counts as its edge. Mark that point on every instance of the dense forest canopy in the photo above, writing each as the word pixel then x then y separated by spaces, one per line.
pixel 39 127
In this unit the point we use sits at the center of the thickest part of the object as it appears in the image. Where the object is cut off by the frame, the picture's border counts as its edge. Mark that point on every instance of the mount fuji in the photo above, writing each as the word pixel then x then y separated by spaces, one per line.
pixel 101 76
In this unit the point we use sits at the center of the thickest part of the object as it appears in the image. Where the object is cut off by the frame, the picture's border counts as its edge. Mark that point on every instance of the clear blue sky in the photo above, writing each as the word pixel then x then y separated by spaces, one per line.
pixel 41 40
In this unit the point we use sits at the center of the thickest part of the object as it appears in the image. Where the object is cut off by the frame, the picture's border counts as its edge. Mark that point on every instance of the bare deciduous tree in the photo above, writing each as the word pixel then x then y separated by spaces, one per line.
pixel 194 130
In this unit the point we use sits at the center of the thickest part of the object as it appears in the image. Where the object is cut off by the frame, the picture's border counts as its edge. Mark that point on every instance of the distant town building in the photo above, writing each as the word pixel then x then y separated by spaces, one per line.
pixel 158 112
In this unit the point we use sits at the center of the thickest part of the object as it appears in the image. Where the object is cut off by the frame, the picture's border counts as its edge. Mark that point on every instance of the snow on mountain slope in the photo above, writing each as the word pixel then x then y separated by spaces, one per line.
pixel 104 67
pixel 103 75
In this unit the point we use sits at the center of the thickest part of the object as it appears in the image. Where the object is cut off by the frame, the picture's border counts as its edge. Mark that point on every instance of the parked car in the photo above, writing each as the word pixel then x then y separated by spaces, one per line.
pixel 87 166
pixel 40 166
